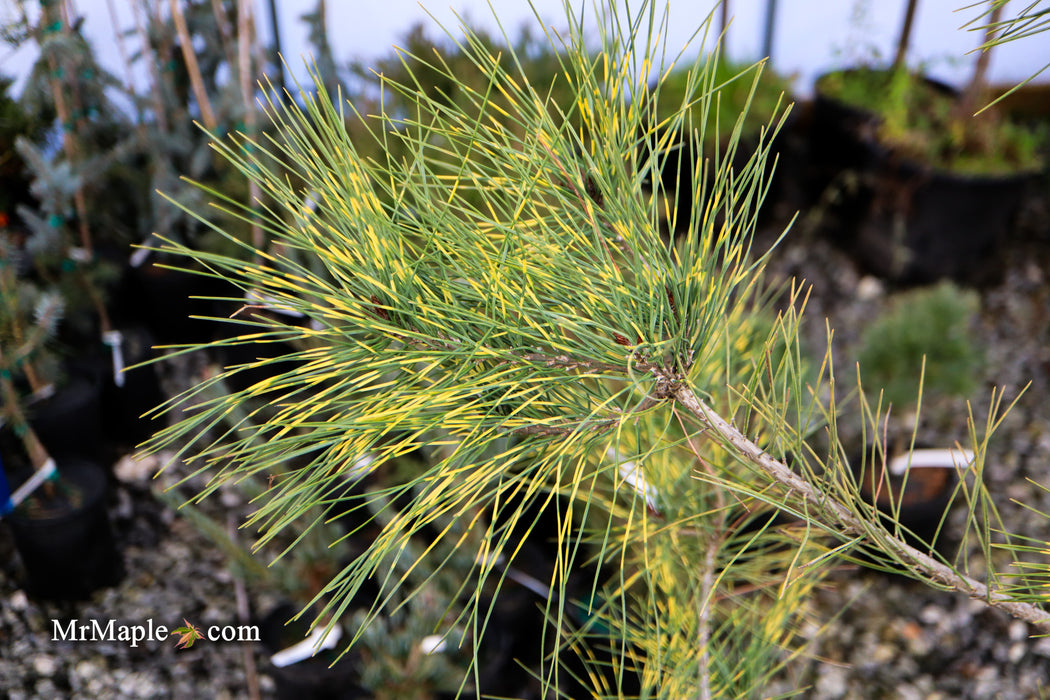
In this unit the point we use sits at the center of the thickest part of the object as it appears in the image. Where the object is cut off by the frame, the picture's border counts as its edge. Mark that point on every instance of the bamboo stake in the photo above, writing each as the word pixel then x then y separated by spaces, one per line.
pixel 223 23
pixel 152 60
pixel 245 40
pixel 10 295
pixel 164 52
pixel 189 55
pixel 48 19
pixel 51 15
pixel 723 25
pixel 129 76
pixel 38 454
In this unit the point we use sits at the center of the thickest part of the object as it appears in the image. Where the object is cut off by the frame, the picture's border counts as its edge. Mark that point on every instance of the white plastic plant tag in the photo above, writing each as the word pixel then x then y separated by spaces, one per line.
pixel 80 255
pixel 254 298
pixel 115 341
pixel 632 475
pixel 318 640
pixel 361 467
pixel 43 393
pixel 139 256
pixel 950 458
pixel 38 477
pixel 432 644
pixel 529 582
pixel 490 561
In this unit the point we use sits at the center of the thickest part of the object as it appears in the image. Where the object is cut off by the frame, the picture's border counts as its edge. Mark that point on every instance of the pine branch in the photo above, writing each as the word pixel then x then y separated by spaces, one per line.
pixel 493 289
pixel 837 514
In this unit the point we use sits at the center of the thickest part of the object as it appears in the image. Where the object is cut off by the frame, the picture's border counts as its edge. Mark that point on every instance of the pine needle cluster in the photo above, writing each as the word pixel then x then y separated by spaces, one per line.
pixel 500 299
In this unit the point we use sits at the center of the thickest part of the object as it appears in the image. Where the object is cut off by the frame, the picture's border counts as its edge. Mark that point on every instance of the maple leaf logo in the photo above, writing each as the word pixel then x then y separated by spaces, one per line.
pixel 187 635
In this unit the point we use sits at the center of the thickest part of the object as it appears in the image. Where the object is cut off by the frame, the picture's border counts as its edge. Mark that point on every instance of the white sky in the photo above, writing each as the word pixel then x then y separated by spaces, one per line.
pixel 811 35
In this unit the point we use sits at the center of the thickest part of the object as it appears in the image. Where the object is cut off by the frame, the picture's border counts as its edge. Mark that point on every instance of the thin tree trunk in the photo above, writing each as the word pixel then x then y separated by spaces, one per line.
pixel 978 82
pixel 905 36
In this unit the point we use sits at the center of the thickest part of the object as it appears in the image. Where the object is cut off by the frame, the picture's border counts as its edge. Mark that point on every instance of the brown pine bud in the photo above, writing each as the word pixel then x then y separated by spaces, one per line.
pixel 378 310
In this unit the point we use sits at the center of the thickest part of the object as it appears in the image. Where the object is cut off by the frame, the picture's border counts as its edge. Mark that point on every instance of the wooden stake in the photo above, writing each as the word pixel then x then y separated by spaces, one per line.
pixel 189 55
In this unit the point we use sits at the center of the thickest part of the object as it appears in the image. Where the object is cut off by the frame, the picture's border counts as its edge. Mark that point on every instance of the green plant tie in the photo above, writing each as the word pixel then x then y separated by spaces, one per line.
pixel 59 73
pixel 88 74
pixel 170 66
pixel 68 265
pixel 55 221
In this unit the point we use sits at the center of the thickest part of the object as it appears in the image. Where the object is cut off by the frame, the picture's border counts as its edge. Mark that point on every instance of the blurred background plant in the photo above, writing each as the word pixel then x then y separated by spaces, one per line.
pixel 933 124
pixel 926 334
pixel 29 320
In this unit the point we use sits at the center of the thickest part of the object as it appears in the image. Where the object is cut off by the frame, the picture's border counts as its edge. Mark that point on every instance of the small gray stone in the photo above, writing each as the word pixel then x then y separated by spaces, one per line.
pixel 907 692
pixel 230 498
pixel 1018 630
pixel 45 688
pixel 45 665
pixel 884 653
pixel 932 614
pixel 869 288
pixel 832 682
pixel 136 471
pixel 18 600
pixel 1042 647
pixel 86 670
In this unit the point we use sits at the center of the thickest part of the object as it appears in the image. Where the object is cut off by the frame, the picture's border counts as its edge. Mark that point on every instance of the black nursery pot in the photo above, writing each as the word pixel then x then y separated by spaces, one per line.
pixel 69 422
pixel 110 415
pixel 124 405
pixel 840 137
pixel 313 678
pixel 902 220
pixel 165 301
pixel 65 542
pixel 921 501
pixel 925 225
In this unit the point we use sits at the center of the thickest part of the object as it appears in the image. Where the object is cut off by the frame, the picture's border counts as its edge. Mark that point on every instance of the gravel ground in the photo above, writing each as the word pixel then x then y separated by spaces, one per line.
pixel 898 639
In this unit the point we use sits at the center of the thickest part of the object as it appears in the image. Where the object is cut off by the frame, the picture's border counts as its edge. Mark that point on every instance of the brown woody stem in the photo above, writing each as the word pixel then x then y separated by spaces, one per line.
pixel 839 514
